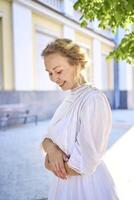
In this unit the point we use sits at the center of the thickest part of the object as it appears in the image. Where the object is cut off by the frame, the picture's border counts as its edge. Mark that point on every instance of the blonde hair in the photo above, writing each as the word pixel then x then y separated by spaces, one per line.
pixel 67 48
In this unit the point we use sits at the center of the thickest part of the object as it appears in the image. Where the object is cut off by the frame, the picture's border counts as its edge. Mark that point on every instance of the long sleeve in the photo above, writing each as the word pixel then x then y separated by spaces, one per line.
pixel 92 138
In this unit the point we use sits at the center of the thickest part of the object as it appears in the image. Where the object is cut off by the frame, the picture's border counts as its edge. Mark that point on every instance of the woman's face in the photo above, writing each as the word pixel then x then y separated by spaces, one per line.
pixel 60 71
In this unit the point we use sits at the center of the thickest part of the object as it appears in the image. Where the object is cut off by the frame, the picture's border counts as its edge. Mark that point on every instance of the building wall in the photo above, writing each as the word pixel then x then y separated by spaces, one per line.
pixel 37 102
pixel 125 80
pixel 7 45
pixel 1 55
pixel 22 43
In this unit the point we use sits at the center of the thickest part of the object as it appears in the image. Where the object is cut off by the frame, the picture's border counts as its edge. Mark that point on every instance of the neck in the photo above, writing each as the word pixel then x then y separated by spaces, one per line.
pixel 80 82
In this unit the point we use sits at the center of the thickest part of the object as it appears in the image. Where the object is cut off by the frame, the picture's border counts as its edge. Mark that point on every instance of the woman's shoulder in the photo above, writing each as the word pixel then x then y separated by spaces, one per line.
pixel 93 94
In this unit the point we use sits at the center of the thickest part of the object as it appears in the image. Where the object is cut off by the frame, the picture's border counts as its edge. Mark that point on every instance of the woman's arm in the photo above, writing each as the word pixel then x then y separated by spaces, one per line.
pixel 51 149
pixel 48 145
pixel 70 171
pixel 56 158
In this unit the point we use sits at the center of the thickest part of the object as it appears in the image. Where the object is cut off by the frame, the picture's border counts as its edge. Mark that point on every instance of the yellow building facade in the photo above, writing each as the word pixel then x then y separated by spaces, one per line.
pixel 6 48
pixel 40 24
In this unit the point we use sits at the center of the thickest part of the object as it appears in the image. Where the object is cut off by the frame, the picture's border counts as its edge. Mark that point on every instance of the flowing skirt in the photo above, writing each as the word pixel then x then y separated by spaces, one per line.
pixel 98 186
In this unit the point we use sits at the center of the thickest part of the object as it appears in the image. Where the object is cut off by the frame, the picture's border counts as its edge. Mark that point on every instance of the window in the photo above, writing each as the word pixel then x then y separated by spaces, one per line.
pixel 42 78
pixel 106 73
pixel 88 70
pixel 1 56
pixel 56 4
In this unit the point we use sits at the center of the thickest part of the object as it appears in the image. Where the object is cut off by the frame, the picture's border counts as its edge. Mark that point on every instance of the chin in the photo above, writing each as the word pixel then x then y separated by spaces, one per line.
pixel 65 88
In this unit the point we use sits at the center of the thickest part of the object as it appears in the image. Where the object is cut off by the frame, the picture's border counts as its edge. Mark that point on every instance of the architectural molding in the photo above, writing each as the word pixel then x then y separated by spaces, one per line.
pixel 46 31
pixel 86 46
pixel 45 11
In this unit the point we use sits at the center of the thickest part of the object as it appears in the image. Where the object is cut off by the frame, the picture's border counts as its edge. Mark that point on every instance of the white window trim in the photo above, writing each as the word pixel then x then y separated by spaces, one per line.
pixel 84 45
pixel 46 31
pixel 88 48
pixel 39 29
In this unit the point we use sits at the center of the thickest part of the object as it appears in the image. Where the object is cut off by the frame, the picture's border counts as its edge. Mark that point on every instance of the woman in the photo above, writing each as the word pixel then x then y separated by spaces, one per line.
pixel 79 130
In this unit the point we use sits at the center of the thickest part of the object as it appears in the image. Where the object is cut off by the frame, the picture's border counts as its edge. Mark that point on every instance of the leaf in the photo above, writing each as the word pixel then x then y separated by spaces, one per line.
pixel 76 5
pixel 84 23
pixel 111 14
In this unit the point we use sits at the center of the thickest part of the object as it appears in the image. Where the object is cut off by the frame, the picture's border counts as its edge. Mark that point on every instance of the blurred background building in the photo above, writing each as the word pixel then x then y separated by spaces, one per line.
pixel 26 27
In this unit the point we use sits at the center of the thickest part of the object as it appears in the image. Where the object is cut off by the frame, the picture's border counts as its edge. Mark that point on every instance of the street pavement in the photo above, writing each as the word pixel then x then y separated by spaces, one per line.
pixel 22 172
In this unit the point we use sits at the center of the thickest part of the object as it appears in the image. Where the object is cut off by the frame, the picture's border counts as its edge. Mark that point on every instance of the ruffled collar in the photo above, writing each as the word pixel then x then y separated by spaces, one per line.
pixel 74 97
pixel 81 87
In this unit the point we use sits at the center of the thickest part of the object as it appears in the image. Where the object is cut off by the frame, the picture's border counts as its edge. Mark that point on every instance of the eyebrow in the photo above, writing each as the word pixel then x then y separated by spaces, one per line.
pixel 53 68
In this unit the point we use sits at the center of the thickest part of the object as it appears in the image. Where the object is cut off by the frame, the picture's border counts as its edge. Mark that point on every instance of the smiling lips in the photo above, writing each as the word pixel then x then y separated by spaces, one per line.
pixel 61 84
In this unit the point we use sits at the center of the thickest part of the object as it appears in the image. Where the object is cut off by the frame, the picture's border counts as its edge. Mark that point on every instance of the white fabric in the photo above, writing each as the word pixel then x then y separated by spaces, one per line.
pixel 81 127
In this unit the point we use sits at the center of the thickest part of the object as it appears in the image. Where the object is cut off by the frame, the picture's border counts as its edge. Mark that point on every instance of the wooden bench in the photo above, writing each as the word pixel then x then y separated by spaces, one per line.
pixel 10 113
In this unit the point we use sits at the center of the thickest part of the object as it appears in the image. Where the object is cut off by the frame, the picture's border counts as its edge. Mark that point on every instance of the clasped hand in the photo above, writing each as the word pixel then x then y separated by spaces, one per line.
pixel 55 161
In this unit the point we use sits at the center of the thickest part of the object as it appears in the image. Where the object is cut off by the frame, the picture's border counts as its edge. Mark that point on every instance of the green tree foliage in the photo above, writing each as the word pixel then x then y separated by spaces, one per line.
pixel 111 14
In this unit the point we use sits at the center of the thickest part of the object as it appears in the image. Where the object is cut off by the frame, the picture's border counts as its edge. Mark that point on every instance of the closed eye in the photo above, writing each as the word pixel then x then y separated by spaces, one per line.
pixel 50 74
pixel 59 72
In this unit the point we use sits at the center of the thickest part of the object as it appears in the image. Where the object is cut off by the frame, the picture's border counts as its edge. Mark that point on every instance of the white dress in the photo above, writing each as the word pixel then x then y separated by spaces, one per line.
pixel 81 127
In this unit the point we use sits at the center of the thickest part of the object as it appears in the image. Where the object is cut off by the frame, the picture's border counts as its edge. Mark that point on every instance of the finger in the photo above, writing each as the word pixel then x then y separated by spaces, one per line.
pixel 59 172
pixel 55 169
pixel 62 171
pixel 54 173
pixel 45 163
pixel 47 166
pixel 65 158
pixel 62 168
pixel 62 165
pixel 58 175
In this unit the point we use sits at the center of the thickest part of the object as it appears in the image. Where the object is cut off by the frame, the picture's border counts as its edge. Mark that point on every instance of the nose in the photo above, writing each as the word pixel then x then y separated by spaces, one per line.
pixel 56 79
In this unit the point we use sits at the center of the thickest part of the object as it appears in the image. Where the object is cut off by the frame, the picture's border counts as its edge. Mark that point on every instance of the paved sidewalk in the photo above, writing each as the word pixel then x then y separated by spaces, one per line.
pixel 119 158
pixel 123 120
pixel 22 172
